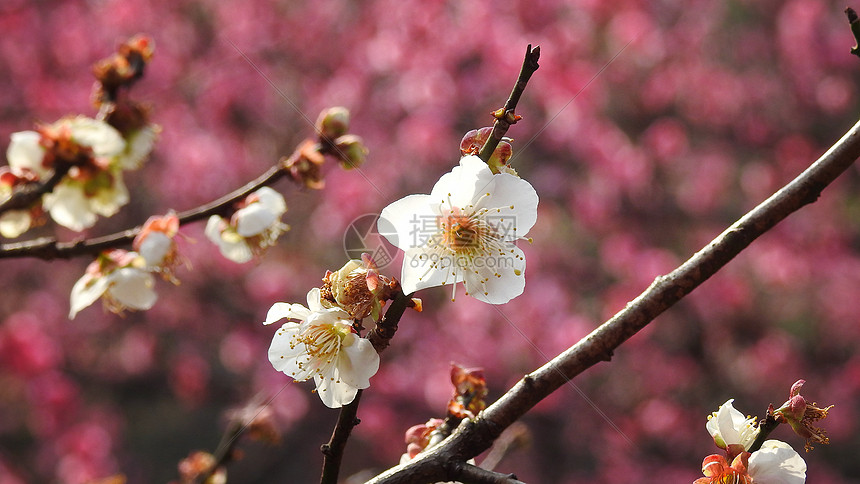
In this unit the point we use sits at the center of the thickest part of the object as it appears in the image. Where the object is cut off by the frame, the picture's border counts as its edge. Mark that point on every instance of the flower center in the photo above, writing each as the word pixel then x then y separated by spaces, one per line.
pixel 322 345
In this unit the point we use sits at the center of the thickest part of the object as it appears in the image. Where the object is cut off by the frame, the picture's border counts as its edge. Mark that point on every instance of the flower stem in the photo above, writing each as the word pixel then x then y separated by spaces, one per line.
pixel 505 117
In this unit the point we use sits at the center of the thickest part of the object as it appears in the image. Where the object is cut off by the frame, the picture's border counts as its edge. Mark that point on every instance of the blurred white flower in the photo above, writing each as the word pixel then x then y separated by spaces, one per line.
pixel 255 226
pixel 464 231
pixel 116 278
pixel 323 345
pixel 26 153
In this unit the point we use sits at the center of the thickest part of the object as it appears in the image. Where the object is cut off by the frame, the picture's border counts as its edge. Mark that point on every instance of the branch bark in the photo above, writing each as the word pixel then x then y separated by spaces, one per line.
pixel 474 436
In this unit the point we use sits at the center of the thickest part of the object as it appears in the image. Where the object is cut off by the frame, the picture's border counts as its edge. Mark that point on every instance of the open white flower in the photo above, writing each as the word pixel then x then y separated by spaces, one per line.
pixel 115 277
pixel 76 204
pixel 728 426
pixel 324 346
pixel 253 228
pixel 25 152
pixel 777 463
pixel 14 223
pixel 464 231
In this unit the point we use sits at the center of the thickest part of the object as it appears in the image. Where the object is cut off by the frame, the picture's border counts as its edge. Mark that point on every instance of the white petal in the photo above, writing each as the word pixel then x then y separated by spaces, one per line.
pixel 236 250
pixel 419 272
pixel 462 183
pixel 272 200
pixel 24 152
pixel 506 191
pixel 107 201
pixel 155 246
pixel 777 463
pixel 283 353
pixel 281 310
pixel 334 394
pixel 138 146
pixel 358 362
pixel 214 227
pixel 254 219
pixel 133 288
pixel 314 300
pixel 104 140
pixel 69 207
pixel 499 278
pixel 14 223
pixel 408 222
pixel 85 292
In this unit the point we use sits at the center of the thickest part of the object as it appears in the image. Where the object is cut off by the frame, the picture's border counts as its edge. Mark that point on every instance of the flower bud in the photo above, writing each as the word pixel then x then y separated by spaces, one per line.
pixel 333 122
pixel 350 151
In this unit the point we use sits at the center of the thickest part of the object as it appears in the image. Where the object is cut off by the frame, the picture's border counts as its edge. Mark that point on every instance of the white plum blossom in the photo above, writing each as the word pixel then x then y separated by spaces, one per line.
pixel 777 463
pixel 115 276
pixel 728 426
pixel 255 226
pixel 464 231
pixel 323 345
pixel 93 185
pixel 25 152
pixel 76 204
pixel 14 223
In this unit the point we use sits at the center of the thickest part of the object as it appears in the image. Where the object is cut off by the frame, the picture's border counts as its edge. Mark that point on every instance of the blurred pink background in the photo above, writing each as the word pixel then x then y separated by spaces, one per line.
pixel 711 106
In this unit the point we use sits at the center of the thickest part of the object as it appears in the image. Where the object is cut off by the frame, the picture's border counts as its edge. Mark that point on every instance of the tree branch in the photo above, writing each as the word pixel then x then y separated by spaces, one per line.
pixel 505 117
pixel 470 474
pixel 474 436
pixel 854 23
pixel 30 193
pixel 379 337
pixel 333 450
pixel 49 248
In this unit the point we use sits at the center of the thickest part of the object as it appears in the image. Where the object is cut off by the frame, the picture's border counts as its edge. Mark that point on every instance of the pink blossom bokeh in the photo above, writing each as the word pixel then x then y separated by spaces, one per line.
pixel 708 107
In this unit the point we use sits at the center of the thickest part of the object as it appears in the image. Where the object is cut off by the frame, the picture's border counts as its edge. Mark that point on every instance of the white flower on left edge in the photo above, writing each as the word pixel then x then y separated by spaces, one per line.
pixel 464 231
pixel 93 185
pixel 255 226
pixel 117 277
pixel 323 345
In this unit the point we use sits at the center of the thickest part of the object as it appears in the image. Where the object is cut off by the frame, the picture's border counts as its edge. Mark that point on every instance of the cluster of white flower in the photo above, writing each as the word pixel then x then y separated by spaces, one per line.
pixel 93 155
pixel 775 462
pixel 124 280
pixel 467 226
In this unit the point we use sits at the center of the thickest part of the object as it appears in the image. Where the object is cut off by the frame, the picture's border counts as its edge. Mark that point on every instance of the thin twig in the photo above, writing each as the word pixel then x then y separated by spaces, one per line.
pixel 854 23
pixel 379 336
pixel 224 452
pixel 333 450
pixel 27 195
pixel 474 436
pixel 505 117
pixel 49 248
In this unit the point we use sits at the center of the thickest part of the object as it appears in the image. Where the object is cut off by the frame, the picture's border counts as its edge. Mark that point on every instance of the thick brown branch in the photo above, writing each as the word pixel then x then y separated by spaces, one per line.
pixel 505 117
pixel 473 437
pixel 469 474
